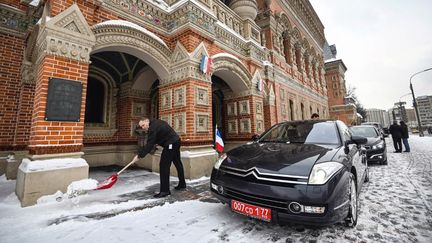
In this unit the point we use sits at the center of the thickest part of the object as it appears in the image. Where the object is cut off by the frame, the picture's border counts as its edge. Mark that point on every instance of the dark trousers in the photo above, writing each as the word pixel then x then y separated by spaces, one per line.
pixel 406 144
pixel 168 156
pixel 397 143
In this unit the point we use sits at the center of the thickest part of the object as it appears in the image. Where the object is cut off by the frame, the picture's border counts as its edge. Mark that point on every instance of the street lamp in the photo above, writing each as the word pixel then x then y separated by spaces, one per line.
pixel 415 102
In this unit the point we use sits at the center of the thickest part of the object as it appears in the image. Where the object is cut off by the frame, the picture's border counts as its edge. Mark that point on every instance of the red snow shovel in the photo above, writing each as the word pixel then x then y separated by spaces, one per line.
pixel 110 181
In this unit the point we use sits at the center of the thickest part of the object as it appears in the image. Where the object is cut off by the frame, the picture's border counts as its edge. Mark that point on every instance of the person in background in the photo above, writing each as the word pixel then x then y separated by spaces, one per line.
pixel 396 132
pixel 315 116
pixel 161 133
pixel 405 136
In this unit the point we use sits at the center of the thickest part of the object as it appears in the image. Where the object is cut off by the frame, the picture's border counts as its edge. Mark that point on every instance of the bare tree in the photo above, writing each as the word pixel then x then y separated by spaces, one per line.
pixel 360 109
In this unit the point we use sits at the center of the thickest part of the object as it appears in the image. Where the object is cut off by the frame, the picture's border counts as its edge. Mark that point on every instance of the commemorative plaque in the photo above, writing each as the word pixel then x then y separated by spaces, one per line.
pixel 64 100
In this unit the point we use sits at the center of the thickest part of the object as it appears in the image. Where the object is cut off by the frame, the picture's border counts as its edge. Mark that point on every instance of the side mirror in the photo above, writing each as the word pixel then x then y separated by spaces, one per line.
pixel 255 137
pixel 359 140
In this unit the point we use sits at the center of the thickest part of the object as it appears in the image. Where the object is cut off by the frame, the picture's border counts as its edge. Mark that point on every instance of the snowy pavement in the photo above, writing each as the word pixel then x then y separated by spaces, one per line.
pixel 395 206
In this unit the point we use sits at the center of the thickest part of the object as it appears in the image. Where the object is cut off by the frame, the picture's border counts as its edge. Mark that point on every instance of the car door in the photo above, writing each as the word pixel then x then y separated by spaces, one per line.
pixel 354 153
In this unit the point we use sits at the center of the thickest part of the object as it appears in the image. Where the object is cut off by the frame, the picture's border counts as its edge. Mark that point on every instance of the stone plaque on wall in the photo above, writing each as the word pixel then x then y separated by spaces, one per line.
pixel 245 126
pixel 232 109
pixel 259 108
pixel 244 107
pixel 166 99
pixel 180 96
pixel 180 123
pixel 201 122
pixel 202 97
pixel 166 118
pixel 260 126
pixel 232 126
pixel 138 109
pixel 64 100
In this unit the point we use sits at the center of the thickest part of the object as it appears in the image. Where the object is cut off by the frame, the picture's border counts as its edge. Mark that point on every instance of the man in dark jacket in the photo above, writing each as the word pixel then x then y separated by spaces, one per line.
pixel 161 133
pixel 405 136
pixel 396 132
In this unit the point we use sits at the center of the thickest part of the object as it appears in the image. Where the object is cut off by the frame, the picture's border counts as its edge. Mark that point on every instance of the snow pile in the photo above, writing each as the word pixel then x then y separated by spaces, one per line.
pixel 82 185
pixel 75 189
pixel 51 164
pixel 56 197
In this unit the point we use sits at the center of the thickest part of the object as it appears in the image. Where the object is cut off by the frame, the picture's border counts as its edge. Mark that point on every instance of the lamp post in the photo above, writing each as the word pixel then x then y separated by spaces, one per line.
pixel 415 102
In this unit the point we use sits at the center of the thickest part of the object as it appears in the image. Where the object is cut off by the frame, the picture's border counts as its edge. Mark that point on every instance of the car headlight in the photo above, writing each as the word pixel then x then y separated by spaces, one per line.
pixel 219 161
pixel 378 146
pixel 322 172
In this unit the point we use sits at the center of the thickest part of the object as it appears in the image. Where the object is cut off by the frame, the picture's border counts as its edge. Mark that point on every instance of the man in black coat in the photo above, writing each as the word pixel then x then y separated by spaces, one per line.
pixel 405 136
pixel 161 133
pixel 396 132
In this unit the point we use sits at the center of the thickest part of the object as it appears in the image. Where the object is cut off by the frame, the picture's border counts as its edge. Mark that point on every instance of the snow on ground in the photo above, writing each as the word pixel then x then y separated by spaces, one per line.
pixel 395 207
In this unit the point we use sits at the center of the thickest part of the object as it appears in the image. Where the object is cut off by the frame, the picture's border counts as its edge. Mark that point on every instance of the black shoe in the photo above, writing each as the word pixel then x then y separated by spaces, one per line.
pixel 162 194
pixel 406 151
pixel 180 187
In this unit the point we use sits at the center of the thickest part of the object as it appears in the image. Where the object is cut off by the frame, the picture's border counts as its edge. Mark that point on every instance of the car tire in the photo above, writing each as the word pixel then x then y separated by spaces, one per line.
pixel 351 218
pixel 366 179
pixel 384 161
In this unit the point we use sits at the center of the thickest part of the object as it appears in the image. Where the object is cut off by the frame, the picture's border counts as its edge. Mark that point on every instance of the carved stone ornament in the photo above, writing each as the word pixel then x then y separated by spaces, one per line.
pixel 27 73
pixel 66 35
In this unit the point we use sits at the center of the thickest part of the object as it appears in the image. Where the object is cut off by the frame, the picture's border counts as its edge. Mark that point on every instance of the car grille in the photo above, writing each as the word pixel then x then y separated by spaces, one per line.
pixel 254 175
pixel 368 147
pixel 256 200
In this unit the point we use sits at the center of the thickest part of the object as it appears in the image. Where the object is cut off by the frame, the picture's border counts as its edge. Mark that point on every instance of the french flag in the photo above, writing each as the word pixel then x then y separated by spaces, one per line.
pixel 260 85
pixel 219 144
pixel 205 64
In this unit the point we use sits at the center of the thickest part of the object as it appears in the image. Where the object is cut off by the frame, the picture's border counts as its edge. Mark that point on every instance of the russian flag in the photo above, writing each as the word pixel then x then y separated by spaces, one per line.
pixel 205 64
pixel 219 144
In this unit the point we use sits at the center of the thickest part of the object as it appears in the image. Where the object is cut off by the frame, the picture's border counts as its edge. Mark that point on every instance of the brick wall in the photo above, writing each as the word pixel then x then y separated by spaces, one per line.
pixel 15 3
pixel 10 88
pixel 51 136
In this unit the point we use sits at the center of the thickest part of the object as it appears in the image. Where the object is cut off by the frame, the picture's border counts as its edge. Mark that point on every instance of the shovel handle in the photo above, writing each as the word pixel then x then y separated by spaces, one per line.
pixel 130 163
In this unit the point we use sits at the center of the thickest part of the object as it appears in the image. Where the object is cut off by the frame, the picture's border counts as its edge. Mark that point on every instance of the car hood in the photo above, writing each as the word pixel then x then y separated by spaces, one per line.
pixel 280 158
pixel 371 140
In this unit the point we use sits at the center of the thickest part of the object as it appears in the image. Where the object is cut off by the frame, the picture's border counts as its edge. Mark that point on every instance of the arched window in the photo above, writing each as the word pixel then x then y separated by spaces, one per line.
pixel 95 101
pixel 291 106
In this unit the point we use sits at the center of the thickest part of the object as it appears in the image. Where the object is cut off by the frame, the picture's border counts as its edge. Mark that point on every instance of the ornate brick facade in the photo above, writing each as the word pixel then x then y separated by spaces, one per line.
pixel 145 58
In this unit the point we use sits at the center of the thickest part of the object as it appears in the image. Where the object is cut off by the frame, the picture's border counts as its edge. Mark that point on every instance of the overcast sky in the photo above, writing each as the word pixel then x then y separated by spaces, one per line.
pixel 382 43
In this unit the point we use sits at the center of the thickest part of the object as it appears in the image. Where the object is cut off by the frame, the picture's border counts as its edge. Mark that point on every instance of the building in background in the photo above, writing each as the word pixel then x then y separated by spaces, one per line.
pixel 411 118
pixel 424 104
pixel 80 74
pixel 341 107
pixel 377 115
pixel 400 112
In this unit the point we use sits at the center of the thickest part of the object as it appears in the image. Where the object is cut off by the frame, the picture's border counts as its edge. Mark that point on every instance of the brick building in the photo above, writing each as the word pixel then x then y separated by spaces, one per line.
pixel 76 76
pixel 341 107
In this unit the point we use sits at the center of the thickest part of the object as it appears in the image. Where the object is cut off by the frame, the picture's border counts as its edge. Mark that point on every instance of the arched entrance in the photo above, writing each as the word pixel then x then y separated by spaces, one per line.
pixel 127 64
pixel 231 103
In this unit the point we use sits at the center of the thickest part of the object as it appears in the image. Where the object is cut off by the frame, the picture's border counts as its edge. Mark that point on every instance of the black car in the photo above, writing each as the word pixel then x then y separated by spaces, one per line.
pixel 304 172
pixel 376 148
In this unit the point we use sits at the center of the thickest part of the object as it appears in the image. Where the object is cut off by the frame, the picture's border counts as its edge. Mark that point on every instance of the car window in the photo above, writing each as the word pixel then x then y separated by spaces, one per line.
pixel 365 132
pixel 345 131
pixel 310 133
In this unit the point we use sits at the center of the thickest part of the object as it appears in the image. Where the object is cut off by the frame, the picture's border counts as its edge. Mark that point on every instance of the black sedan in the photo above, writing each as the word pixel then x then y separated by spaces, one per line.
pixel 304 172
pixel 376 148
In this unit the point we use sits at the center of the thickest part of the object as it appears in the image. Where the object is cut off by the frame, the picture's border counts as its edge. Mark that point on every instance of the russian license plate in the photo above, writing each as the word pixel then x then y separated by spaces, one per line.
pixel 251 210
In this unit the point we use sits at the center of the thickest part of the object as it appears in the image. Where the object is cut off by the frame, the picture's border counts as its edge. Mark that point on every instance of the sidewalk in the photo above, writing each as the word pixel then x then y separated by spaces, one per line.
pixel 395 206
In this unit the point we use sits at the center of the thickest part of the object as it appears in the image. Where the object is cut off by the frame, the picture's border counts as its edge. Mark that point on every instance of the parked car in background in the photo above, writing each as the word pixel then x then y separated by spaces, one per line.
pixel 376 148
pixel 304 172
pixel 378 126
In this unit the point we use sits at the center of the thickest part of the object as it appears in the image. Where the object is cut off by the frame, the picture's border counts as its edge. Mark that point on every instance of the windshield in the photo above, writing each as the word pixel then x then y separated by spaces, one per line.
pixel 309 133
pixel 368 132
